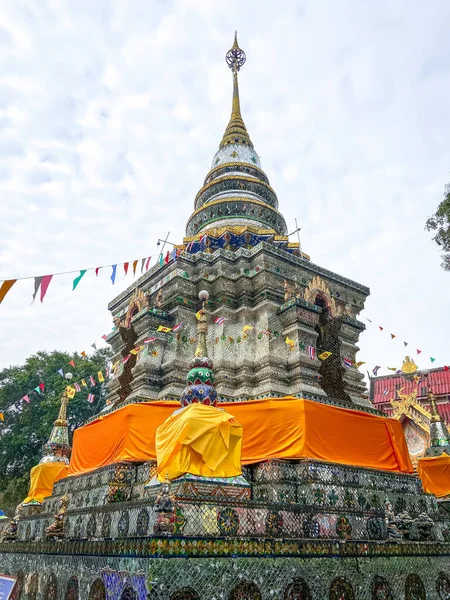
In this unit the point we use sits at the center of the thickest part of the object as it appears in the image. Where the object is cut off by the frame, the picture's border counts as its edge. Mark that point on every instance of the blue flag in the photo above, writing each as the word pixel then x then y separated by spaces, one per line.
pixel 113 274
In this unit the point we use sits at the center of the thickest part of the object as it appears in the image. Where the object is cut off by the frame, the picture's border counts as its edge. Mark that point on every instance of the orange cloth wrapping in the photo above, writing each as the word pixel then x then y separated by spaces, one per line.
pixel 285 428
pixel 42 478
pixel 200 440
pixel 435 474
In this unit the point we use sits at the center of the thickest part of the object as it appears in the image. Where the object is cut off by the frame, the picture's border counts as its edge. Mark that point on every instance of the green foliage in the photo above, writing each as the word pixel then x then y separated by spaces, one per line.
pixel 440 222
pixel 26 427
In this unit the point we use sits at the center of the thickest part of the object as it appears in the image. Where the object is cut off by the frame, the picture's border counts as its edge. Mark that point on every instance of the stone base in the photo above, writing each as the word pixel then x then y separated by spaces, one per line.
pixel 194 486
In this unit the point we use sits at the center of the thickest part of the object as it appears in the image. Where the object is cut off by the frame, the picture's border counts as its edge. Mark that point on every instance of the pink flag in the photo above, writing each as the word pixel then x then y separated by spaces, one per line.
pixel 104 337
pixel 26 398
pixel 72 363
pixel 147 264
pixel 44 285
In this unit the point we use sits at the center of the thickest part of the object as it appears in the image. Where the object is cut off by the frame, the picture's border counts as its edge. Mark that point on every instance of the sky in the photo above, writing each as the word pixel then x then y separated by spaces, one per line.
pixel 111 112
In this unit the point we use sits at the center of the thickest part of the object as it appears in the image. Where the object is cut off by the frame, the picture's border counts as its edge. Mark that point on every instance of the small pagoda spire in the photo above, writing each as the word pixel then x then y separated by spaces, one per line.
pixel 202 326
pixel 439 436
pixel 200 378
pixel 58 449
pixel 236 132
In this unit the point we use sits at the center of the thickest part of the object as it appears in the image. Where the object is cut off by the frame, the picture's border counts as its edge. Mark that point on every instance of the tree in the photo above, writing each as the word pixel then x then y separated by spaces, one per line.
pixel 440 222
pixel 27 426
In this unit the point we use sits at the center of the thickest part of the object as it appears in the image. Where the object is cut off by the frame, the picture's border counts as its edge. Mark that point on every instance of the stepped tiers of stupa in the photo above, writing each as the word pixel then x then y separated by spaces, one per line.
pixel 230 461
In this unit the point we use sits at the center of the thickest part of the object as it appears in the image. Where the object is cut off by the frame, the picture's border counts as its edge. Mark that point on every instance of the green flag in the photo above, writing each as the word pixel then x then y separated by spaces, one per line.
pixel 77 280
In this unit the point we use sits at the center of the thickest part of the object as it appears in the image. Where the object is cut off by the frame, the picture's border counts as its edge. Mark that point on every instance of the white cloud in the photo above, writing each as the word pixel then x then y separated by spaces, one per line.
pixel 110 114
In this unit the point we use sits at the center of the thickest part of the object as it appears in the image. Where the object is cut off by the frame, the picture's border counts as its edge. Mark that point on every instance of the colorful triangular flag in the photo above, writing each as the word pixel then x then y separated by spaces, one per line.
pixel 289 342
pixel 61 372
pixel 6 286
pixel 77 280
pixel 392 336
pixel 72 363
pixel 113 274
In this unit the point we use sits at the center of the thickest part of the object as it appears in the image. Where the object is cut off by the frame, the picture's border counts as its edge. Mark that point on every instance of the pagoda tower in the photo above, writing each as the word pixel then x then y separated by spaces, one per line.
pixel 273 311
pixel 54 463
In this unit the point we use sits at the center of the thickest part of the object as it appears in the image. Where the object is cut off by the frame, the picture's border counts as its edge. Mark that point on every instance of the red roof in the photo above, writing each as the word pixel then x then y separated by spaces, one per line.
pixel 437 381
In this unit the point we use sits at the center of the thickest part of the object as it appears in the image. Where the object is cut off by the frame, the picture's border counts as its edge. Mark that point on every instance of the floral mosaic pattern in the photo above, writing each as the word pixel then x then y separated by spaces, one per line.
pixel 274 523
pixel 443 586
pixel 246 590
pixel 106 526
pixel 18 588
pixel 124 524
pixel 72 589
pixel 381 590
pixel 97 591
pixel 142 522
pixel 414 588
pixel 341 589
pixel 228 521
pixel 185 594
pixel 91 527
pixel 51 588
pixel 297 590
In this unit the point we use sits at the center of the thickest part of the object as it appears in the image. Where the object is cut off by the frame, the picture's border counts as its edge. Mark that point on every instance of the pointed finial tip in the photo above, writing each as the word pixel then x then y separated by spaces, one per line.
pixel 235 57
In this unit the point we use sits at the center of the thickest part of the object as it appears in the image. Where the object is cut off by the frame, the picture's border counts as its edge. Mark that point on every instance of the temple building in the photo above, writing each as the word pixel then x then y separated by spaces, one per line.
pixel 238 456
pixel 408 401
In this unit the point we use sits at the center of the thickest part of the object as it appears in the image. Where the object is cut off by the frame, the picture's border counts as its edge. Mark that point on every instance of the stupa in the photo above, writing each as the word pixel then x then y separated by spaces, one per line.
pixel 324 502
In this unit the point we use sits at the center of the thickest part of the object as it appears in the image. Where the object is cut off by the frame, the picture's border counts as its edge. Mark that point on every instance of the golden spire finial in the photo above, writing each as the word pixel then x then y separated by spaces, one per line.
pixel 202 327
pixel 435 416
pixel 236 132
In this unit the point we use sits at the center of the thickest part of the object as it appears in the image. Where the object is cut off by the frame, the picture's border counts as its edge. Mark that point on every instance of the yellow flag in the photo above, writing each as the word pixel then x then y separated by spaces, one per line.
pixel 392 368
pixel 325 355
pixel 199 314
pixel 2 417
pixel 164 329
pixel 246 328
pixel 290 342
pixel 360 363
pixel 83 383
pixel 100 377
pixel 70 391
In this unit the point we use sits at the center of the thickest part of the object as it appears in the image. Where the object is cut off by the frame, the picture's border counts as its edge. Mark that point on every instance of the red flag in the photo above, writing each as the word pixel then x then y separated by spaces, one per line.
pixel 96 271
pixel 42 386
pixel 135 262
pixel 125 267
pixel 44 285
pixel 5 287
pixel 446 368
pixel 418 351
pixel 147 264
pixel 381 328
pixel 166 260
pixel 71 362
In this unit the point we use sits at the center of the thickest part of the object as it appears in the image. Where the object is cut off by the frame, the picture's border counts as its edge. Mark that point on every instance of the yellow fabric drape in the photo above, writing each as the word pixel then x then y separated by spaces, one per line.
pixel 435 474
pixel 42 478
pixel 200 440
pixel 286 428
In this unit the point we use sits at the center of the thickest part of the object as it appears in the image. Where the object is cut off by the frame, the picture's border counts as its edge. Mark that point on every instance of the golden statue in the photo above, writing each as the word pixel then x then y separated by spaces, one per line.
pixel 56 529
pixel 409 366
pixel 10 535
